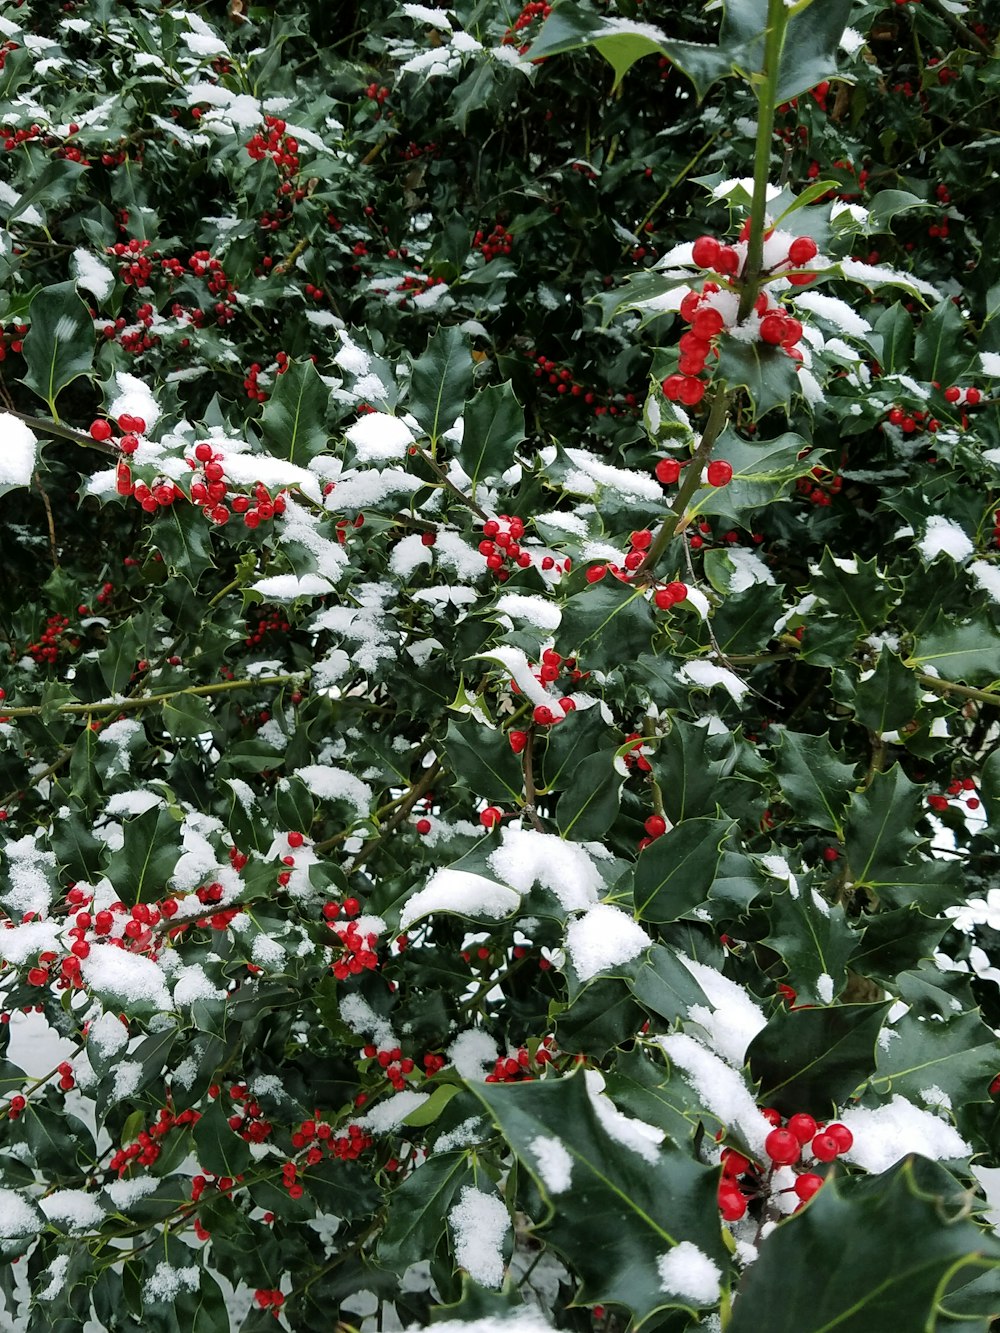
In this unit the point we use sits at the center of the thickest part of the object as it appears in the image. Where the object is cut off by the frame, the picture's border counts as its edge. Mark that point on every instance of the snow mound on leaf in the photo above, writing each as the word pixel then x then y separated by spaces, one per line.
pixel 463 892
pixel 886 1133
pixel 525 858
pixel 479 1225
pixel 604 937
pixel 688 1272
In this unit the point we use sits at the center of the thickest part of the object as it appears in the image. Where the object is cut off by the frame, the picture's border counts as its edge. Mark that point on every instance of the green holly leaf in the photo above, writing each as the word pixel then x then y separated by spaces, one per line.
pixel 605 624
pixel 183 537
pixel 896 940
pixel 220 1149
pixel 688 767
pixel 139 870
pixel 59 345
pixel 589 805
pixel 483 761
pixel 441 381
pixel 294 420
pixel 814 1059
pixel 887 699
pixel 614 1208
pixel 893 334
pixel 925 1059
pixel 814 942
pixel 676 872
pixel 762 474
pixel 855 590
pixel 494 427
pixel 969 652
pixel 900 1245
pixel 939 346
pixel 419 1207
pixel 768 374
pixel 879 827
pixel 664 985
pixel 815 780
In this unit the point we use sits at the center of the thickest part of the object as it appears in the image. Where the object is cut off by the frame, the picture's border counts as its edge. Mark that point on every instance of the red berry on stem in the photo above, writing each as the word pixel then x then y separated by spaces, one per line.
pixel 655 826
pixel 802 249
pixel 841 1135
pixel 705 251
pixel 782 1147
pixel 825 1147
pixel 802 1126
pixel 100 430
pixel 490 816
pixel 668 470
pixel 807 1185
pixel 720 473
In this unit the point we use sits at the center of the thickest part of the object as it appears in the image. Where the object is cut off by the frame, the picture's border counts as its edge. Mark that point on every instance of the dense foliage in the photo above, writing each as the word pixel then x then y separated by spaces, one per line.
pixel 500 645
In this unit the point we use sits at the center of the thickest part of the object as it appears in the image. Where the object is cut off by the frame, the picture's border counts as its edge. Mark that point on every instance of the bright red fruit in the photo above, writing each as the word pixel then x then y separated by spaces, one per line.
pixel 802 249
pixel 705 251
pixel 668 470
pixel 825 1147
pixel 655 826
pixel 841 1135
pixel 720 473
pixel 782 1147
pixel 807 1185
pixel 802 1126
pixel 100 430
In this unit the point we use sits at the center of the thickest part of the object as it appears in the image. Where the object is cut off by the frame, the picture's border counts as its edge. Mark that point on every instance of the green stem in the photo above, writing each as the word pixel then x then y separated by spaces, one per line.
pixel 151 700
pixel 66 433
pixel 767 101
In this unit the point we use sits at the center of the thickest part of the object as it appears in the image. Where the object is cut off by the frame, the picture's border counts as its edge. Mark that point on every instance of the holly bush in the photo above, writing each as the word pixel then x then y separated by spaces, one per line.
pixel 501 661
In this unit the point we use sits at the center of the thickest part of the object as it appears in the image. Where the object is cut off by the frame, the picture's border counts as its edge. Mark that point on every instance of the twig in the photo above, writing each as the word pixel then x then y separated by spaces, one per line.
pixel 49 427
pixel 447 482
pixel 527 768
pixel 125 704
pixel 406 805
pixel 938 686
pixel 49 519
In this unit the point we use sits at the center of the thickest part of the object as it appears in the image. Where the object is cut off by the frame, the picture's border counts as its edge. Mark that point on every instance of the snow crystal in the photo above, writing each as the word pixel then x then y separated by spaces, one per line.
pixel 388 1114
pixel 377 435
pixel 336 784
pixel 824 987
pixel 461 1136
pixel 471 1051
pixel 92 275
pixel 128 1076
pixel 603 937
pixel 688 1272
pixel 362 1019
pixel 286 587
pixel 17 1216
pixel 135 399
pixel 720 1087
pixel 990 362
pixel 537 611
pixel 734 1019
pixel 119 735
pixel 29 869
pixel 458 555
pixel 525 858
pixel 17 451
pixel 555 1166
pixel 637 484
pixel 459 891
pixel 132 802
pixel 408 555
pixel 706 675
pixel 943 535
pixel 72 1208
pixel 935 1096
pixel 108 1035
pixel 479 1225
pixel 883 1135
pixel 432 296
pixel 987 576
pixel 851 41
pixel 166 1282
pixel 56 1274
pixel 267 952
pixel 127 977
pixel 834 311
pixel 636 1135
pixel 124 1193
pixel 192 983
pixel 22 943
pixel 571 523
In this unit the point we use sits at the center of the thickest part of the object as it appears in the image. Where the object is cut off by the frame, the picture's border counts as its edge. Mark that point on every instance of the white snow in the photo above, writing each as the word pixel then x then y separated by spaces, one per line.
pixel 537 611
pixel 18 449
pixel 124 1193
pixel 287 587
pixel 874 275
pixel 18 1217
pixel 56 1274
pixel 108 1035
pixel 479 1225
pixel 748 569
pixel 471 1052
pixel 525 858
pixel 517 664
pixel 459 891
pixel 21 943
pixel 824 987
pixel 625 482
pixel 166 1282
pixel 135 399
pixel 555 1166
pixel 987 576
pixel 193 983
pixel 73 1208
pixel 435 18
pixel 336 784
pixel 834 311
pixel 362 1019
pixel 132 802
pixel 603 937
pixel 408 555
pixel 125 977
pixel 92 275
pixel 733 1020
pixel 720 1087
pixel 388 1114
pixel 378 436
pixel 883 1135
pixel 688 1272
pixel 990 362
pixel 248 469
pixel 30 868
pixel 636 1135
pixel 706 675
pixel 943 535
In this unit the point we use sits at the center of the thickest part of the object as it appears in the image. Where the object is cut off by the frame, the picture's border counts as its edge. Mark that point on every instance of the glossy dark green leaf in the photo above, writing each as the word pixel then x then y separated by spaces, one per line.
pixel 294 420
pixel 484 762
pixel 441 382
pixel 814 942
pixel 417 1216
pixel 879 826
pixel 815 780
pixel 887 699
pixel 59 345
pixel 589 805
pixel 607 623
pixel 676 872
pixel 494 427
pixel 140 869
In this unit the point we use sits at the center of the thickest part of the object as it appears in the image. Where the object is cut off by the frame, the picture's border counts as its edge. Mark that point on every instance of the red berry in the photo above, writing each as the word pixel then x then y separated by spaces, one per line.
pixel 518 740
pixel 691 391
pixel 100 430
pixel 203 452
pixel 802 249
pixel 423 826
pixel 802 1126
pixel 841 1135
pixel 668 470
pixel 720 473
pixel 732 1202
pixel 490 816
pixel 807 1185
pixel 734 1163
pixel 655 826
pixel 772 329
pixel 825 1147
pixel 782 1147
pixel 705 251
pixel 972 397
pixel 295 839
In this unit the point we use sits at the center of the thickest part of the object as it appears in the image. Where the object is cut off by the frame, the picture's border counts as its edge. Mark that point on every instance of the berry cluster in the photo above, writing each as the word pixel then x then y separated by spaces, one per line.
pixel 958 789
pixel 145 1150
pixel 534 9
pixel 269 1298
pixel 280 147
pixel 13 339
pixel 210 489
pixel 498 242
pixel 912 422
pixel 52 641
pixel 359 951
pixel 821 486
pixel 248 1119
pixel 560 378
pixel 743 1180
pixel 501 536
pixel 396 1065
pixel 14 138
pixel 520 1067
pixel 137 266
pixel 552 666
pixel 268 621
